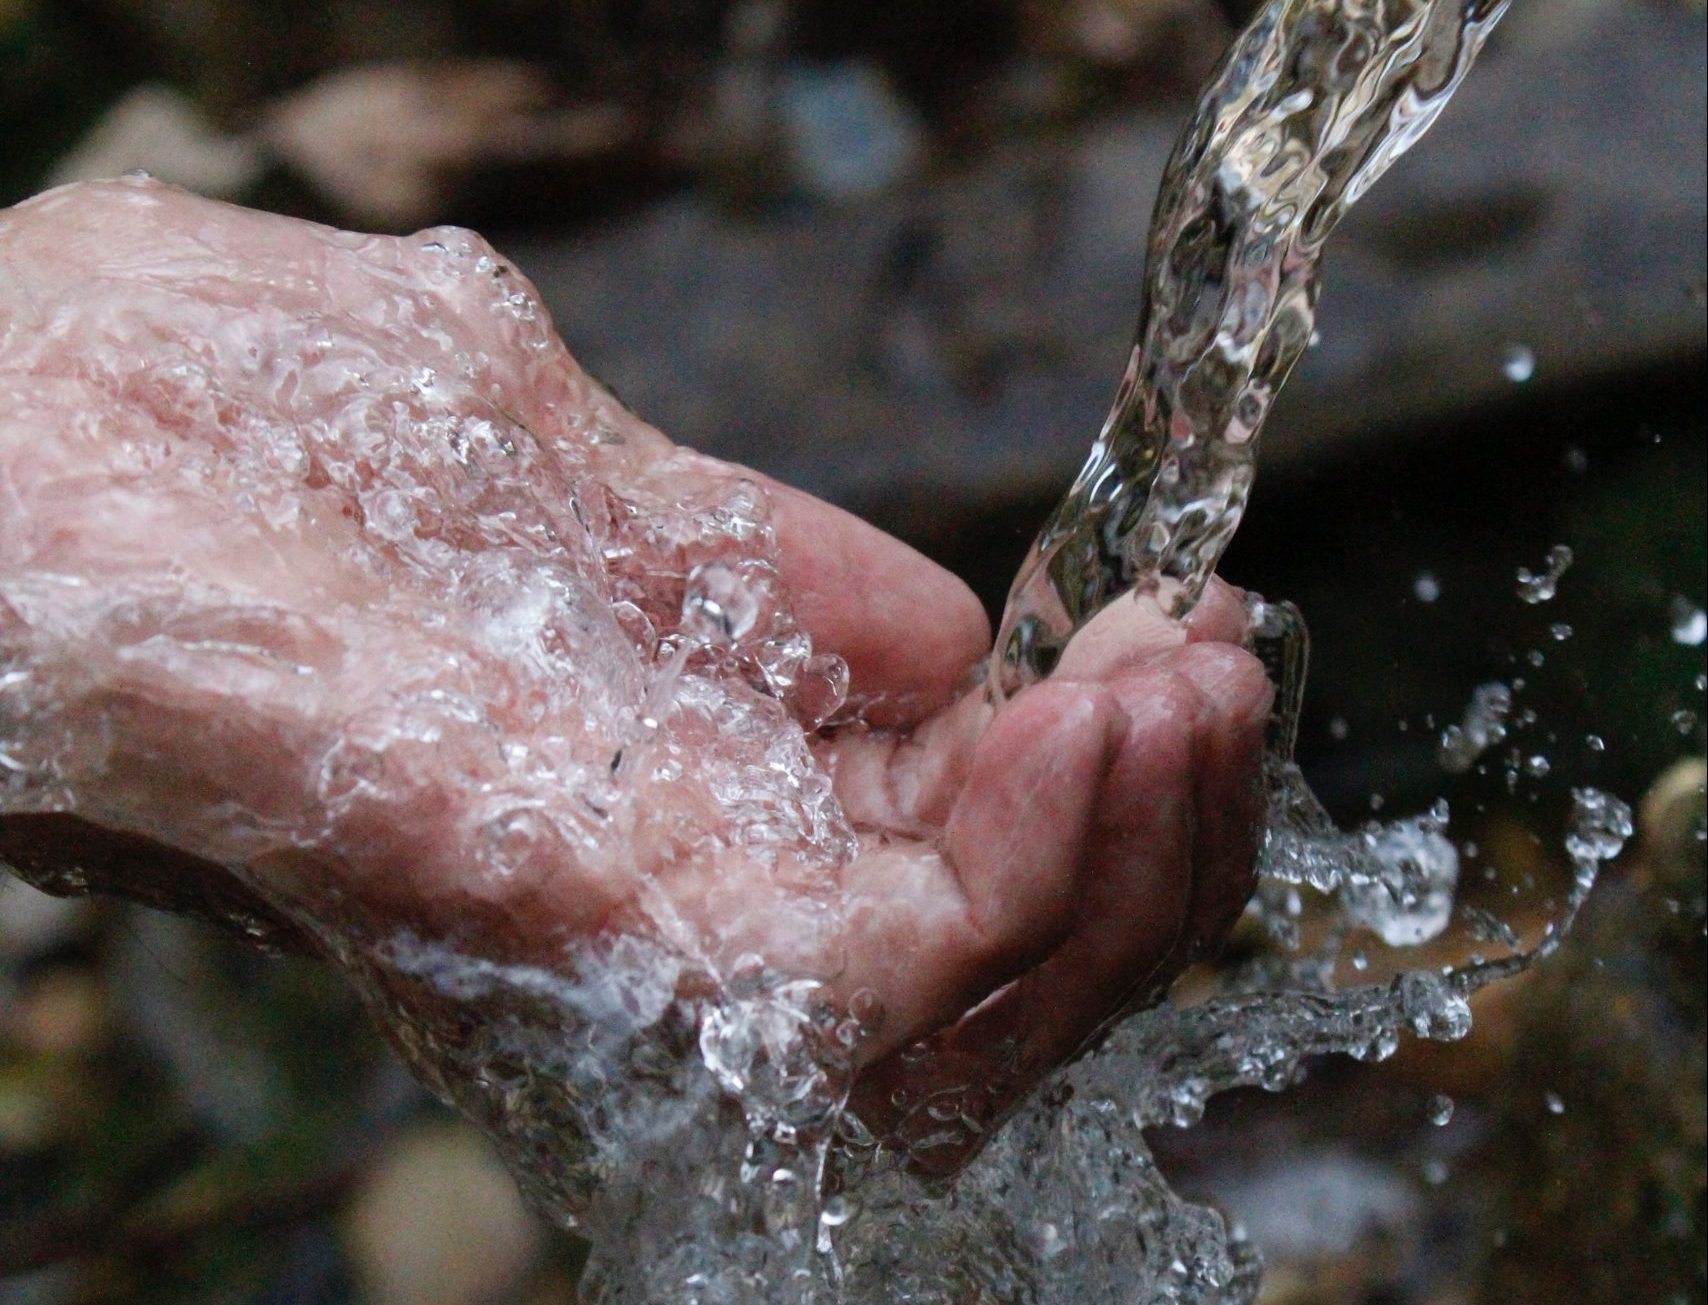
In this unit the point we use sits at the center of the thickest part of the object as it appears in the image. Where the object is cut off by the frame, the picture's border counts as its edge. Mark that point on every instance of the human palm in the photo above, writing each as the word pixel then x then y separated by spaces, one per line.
pixel 335 597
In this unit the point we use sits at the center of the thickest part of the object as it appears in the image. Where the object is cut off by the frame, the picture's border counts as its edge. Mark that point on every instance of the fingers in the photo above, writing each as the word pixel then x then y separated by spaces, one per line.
pixel 1132 631
pixel 907 783
pixel 933 932
pixel 1168 866
pixel 909 630
pixel 1220 616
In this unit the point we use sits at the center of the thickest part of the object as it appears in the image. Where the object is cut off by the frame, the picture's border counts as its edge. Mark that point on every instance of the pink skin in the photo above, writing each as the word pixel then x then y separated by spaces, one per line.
pixel 1023 873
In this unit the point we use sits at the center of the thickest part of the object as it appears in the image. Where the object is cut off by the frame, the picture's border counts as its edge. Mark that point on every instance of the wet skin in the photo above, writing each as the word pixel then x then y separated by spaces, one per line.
pixel 1023 874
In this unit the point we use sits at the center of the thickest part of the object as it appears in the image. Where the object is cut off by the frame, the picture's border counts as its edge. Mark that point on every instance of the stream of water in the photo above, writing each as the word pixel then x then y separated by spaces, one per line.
pixel 1313 103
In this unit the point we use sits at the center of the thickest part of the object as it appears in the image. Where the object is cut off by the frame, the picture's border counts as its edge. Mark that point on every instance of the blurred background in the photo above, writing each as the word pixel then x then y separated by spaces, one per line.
pixel 891 252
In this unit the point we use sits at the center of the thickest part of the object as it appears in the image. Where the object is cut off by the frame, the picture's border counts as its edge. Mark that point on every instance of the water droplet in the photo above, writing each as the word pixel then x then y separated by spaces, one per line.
pixel 1684 720
pixel 1577 461
pixel 720 606
pixel 1519 363
pixel 1537 766
pixel 1481 728
pixel 1540 587
pixel 837 1211
pixel 1555 1103
pixel 1426 587
pixel 1689 623
pixel 1338 728
pixel 1596 742
pixel 1440 1110
pixel 1560 631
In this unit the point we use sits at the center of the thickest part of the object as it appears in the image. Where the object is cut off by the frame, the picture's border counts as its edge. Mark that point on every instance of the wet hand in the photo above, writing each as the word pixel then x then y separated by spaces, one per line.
pixel 333 594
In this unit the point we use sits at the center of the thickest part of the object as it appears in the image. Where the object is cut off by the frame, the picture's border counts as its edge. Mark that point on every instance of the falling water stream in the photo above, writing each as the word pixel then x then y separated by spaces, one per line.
pixel 1313 103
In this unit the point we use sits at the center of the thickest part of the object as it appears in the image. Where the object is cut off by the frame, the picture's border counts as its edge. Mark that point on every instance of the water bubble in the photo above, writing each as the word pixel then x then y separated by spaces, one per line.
pixel 1537 766
pixel 1440 1110
pixel 1540 587
pixel 1560 631
pixel 1689 623
pixel 1555 1103
pixel 1403 892
pixel 1426 588
pixel 720 605
pixel 1486 926
pixel 1338 728
pixel 1684 720
pixel 1519 363
pixel 1595 742
pixel 1577 461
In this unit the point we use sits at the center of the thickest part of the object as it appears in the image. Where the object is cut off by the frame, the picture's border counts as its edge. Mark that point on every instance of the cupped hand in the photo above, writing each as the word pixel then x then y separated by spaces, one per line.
pixel 334 595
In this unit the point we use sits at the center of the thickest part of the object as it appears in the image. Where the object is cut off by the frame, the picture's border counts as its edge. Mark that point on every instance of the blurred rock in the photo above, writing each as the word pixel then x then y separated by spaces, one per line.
pixel 30 1113
pixel 1320 1203
pixel 160 130
pixel 1117 33
pixel 172 999
pixel 438 1221
pixel 389 145
pixel 1671 819
pixel 849 134
pixel 61 1013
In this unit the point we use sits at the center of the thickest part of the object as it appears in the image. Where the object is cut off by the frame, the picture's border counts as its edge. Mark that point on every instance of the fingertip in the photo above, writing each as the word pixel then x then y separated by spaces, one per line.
pixel 1221 615
pixel 1229 784
pixel 1130 631
pixel 1161 711
pixel 1231 679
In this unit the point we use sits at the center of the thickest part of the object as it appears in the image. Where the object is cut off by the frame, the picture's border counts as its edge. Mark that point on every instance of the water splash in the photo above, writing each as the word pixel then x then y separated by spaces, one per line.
pixel 1310 107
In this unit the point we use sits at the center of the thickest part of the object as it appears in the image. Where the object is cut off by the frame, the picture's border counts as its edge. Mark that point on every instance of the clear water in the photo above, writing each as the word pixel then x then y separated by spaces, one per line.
pixel 1313 103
